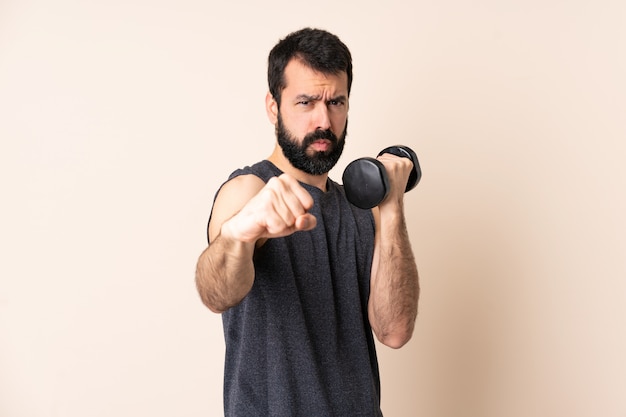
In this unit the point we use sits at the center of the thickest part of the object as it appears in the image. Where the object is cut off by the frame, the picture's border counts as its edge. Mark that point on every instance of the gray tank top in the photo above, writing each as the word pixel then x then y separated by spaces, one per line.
pixel 300 343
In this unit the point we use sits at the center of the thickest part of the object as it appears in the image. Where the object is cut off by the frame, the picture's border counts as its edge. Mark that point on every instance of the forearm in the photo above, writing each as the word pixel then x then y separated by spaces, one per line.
pixel 225 273
pixel 394 289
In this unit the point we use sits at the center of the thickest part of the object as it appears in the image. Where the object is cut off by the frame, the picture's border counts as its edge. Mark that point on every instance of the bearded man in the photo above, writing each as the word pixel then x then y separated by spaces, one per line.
pixel 302 278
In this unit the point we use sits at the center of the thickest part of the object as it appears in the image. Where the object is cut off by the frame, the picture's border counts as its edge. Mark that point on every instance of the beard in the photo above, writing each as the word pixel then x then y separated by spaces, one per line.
pixel 321 161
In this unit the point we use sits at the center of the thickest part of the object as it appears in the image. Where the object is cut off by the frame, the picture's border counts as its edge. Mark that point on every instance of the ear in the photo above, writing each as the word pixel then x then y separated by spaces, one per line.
pixel 271 107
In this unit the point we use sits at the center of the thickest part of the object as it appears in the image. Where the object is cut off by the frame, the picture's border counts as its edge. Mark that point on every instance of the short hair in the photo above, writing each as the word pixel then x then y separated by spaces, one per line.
pixel 317 49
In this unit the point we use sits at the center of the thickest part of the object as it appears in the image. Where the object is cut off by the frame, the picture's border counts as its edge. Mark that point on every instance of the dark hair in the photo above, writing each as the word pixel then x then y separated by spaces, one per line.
pixel 317 49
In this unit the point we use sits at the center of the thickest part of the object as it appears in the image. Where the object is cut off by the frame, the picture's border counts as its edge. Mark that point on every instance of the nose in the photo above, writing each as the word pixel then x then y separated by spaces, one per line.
pixel 322 117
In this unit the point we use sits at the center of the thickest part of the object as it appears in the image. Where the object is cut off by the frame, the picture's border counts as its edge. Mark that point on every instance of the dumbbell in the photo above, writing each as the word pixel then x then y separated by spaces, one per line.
pixel 365 180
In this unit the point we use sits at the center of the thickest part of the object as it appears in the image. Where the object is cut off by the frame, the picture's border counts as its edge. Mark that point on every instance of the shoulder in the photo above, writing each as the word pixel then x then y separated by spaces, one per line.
pixel 263 170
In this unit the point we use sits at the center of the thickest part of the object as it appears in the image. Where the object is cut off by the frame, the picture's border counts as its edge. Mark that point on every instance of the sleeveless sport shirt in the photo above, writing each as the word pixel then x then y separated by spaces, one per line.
pixel 300 342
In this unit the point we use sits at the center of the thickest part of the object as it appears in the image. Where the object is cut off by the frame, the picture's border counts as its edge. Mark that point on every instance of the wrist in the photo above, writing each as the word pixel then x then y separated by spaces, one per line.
pixel 231 232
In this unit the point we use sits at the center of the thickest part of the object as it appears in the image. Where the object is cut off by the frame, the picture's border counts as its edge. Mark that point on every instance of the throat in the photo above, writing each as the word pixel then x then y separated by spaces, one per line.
pixel 282 163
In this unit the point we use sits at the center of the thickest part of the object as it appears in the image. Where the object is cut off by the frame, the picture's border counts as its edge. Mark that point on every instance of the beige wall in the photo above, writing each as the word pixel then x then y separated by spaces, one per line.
pixel 118 120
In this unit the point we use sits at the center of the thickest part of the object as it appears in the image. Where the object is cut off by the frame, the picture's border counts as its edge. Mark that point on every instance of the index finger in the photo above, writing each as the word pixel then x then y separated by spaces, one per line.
pixel 302 196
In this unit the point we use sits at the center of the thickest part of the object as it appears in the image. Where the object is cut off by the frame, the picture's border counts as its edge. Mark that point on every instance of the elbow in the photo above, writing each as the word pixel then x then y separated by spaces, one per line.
pixel 208 303
pixel 395 332
pixel 214 305
pixel 206 297
pixel 214 308
pixel 217 304
pixel 396 339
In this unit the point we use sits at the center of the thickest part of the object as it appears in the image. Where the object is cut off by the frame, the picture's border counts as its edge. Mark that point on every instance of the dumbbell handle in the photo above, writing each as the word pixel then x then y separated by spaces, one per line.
pixel 406 152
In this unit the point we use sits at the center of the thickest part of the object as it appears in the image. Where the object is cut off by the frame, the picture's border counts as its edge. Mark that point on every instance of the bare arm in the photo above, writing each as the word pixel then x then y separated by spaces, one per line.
pixel 394 288
pixel 246 213
pixel 225 273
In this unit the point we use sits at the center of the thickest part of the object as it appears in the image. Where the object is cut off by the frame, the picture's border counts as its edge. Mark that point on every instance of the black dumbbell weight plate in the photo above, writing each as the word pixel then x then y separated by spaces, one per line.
pixel 365 182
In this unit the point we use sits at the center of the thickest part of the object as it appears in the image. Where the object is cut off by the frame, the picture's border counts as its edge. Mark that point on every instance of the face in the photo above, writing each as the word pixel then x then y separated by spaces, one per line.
pixel 311 124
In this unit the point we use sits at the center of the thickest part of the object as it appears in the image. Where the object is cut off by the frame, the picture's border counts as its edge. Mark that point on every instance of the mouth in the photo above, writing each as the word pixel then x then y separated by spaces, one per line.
pixel 321 145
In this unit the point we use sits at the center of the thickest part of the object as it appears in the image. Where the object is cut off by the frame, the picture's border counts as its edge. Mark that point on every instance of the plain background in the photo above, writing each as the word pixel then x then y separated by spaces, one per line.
pixel 119 120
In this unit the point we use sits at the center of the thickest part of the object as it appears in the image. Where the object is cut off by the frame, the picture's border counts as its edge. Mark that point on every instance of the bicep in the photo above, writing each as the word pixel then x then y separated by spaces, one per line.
pixel 231 198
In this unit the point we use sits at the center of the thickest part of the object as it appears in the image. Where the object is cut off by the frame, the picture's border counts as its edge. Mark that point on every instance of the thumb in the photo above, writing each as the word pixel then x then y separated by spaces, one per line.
pixel 305 222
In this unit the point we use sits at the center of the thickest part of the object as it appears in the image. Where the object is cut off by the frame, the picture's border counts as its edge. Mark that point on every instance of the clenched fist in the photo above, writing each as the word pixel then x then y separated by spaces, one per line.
pixel 279 209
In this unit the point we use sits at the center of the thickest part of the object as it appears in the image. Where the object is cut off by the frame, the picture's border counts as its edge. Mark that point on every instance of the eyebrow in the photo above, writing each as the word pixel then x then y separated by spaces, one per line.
pixel 306 97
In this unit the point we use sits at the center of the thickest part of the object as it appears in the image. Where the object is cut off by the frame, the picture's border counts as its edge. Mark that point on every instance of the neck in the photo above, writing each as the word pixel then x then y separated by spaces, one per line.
pixel 282 163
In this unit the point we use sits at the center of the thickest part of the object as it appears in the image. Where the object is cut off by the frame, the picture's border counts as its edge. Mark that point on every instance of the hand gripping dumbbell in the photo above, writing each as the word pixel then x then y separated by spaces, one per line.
pixel 365 180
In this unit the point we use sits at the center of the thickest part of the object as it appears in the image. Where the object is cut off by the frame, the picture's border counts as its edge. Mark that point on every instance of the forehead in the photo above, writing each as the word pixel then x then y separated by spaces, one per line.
pixel 300 78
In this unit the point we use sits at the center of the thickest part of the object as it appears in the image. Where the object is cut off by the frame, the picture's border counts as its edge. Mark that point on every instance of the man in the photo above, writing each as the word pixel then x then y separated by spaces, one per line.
pixel 301 276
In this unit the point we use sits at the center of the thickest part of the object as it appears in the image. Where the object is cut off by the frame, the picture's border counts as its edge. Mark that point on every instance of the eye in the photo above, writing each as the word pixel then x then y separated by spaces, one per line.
pixel 335 102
